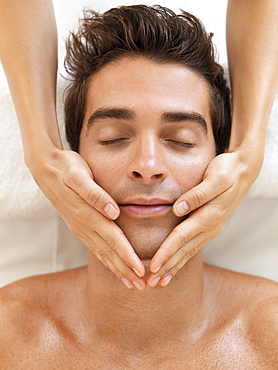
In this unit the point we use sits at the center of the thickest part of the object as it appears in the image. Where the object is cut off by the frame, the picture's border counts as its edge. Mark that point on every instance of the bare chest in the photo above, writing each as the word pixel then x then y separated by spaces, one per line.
pixel 225 352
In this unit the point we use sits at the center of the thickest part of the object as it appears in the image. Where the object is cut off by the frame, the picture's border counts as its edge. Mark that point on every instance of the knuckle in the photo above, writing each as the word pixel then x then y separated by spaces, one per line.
pixel 111 239
pixel 223 172
pixel 211 221
pixel 105 255
pixel 217 217
pixel 182 238
pixel 198 198
pixel 193 251
pixel 208 223
pixel 225 177
pixel 188 253
pixel 184 253
pixel 94 198
pixel 71 176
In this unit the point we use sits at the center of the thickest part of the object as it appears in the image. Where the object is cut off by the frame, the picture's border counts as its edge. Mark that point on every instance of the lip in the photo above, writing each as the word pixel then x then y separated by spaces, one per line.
pixel 144 207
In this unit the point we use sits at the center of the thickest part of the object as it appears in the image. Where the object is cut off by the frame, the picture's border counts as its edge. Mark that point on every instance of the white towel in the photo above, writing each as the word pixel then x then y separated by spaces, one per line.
pixel 20 197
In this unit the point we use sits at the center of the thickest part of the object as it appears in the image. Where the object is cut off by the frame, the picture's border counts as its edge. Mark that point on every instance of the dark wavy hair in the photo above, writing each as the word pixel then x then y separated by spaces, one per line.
pixel 154 32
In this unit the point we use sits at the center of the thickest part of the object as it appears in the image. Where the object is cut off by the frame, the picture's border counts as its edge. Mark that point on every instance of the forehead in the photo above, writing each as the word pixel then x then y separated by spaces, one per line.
pixel 148 87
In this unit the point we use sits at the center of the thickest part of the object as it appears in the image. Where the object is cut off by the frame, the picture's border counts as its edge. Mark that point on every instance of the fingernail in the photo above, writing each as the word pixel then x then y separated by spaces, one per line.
pixel 138 286
pixel 111 211
pixel 157 269
pixel 167 280
pixel 155 281
pixel 181 208
pixel 127 283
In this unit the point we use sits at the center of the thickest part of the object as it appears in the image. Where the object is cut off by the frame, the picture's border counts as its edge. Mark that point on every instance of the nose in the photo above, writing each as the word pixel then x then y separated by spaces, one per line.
pixel 147 164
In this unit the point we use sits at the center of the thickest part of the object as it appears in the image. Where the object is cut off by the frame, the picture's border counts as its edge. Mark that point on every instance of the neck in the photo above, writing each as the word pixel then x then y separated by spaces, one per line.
pixel 138 317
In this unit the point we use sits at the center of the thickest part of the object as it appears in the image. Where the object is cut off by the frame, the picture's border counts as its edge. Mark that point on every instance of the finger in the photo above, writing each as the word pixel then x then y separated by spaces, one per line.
pixel 177 261
pixel 179 237
pixel 207 190
pixel 113 262
pixel 81 181
pixel 119 275
pixel 80 224
pixel 127 276
pixel 181 262
pixel 207 220
pixel 117 241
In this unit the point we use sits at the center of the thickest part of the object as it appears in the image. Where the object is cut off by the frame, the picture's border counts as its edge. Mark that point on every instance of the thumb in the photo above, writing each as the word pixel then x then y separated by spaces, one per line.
pixel 207 190
pixel 81 182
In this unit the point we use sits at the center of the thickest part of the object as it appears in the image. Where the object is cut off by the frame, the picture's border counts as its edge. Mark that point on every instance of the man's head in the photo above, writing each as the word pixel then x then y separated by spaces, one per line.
pixel 155 33
pixel 148 110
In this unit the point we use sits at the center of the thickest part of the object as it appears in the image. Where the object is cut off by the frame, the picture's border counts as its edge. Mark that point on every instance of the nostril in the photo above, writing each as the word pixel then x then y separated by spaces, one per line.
pixel 136 174
pixel 158 175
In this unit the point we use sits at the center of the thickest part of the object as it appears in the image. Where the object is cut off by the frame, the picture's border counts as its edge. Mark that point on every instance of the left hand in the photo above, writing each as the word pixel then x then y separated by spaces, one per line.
pixel 226 182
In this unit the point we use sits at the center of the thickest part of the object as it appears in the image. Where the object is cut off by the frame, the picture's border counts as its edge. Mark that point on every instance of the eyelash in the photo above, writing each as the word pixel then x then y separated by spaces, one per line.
pixel 114 141
pixel 108 142
pixel 187 145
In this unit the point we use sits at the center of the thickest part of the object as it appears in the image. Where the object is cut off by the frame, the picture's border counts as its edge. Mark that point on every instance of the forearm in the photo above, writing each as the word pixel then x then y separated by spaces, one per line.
pixel 28 51
pixel 252 40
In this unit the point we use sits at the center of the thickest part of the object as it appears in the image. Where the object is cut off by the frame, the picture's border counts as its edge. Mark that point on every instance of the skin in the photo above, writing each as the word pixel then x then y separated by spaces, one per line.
pixel 85 318
pixel 252 51
pixel 132 90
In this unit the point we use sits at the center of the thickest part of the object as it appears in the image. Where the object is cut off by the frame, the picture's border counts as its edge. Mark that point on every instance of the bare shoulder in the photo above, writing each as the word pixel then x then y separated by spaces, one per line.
pixel 18 302
pixel 247 288
pixel 28 308
pixel 262 316
pixel 256 301
pixel 17 299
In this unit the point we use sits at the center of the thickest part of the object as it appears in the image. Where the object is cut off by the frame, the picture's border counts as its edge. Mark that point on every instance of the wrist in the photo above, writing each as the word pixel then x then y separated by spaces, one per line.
pixel 250 156
pixel 40 137
pixel 41 156
pixel 248 138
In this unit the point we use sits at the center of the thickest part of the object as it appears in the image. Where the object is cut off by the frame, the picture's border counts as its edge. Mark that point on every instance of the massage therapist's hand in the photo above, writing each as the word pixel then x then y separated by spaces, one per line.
pixel 210 204
pixel 87 210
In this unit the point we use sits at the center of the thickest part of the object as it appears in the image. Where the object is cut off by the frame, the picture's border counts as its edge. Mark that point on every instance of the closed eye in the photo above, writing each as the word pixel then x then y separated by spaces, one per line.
pixel 114 141
pixel 181 143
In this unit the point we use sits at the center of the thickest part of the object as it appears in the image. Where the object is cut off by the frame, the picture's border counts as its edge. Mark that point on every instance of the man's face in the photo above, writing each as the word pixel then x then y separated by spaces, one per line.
pixel 147 137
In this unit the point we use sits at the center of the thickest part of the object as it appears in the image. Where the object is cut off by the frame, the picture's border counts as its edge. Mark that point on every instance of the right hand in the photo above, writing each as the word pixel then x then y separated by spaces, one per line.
pixel 87 209
pixel 226 181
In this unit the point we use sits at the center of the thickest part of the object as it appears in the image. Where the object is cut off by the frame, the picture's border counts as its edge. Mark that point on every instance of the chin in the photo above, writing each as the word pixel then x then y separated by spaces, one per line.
pixel 147 244
pixel 147 235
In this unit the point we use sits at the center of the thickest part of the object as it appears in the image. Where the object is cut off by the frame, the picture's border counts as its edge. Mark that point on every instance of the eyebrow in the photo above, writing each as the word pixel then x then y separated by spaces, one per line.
pixel 184 116
pixel 128 115
pixel 117 113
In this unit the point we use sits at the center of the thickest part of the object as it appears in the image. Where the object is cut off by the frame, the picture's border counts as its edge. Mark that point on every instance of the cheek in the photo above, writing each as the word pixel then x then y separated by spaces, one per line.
pixel 189 172
pixel 108 171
